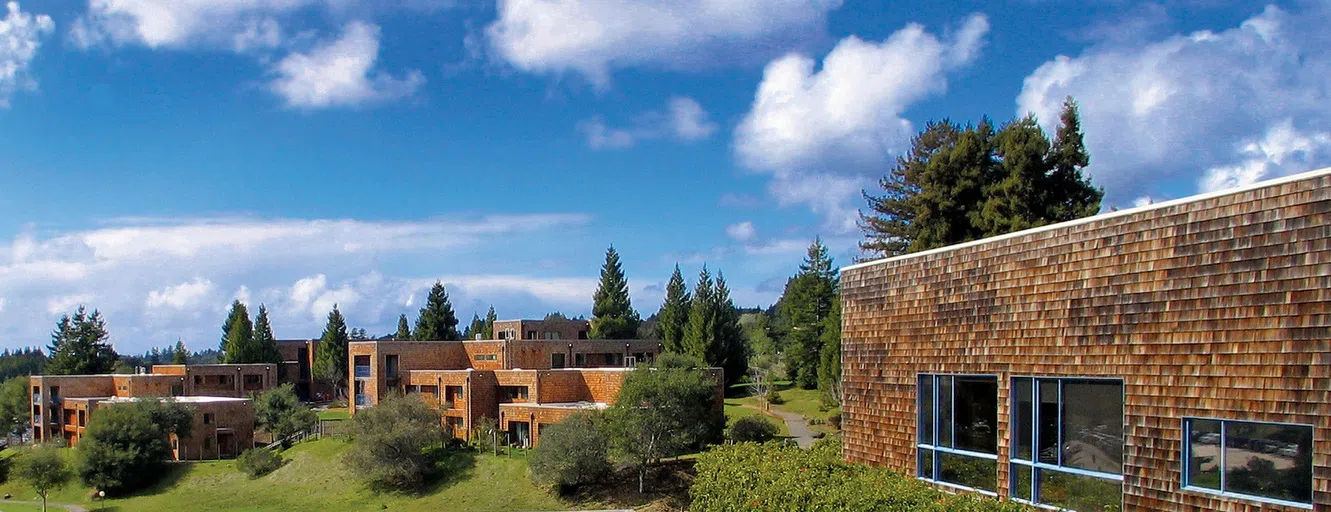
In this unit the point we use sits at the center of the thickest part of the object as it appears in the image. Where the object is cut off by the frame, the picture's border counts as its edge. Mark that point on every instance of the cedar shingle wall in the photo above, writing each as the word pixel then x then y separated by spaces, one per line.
pixel 1215 308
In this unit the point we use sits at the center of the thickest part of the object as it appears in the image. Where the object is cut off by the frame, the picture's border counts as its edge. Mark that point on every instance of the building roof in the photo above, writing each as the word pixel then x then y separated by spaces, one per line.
pixel 561 405
pixel 178 399
pixel 1103 216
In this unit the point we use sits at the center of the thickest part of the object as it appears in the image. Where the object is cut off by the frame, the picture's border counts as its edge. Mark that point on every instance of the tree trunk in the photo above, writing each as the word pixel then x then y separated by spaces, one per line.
pixel 642 474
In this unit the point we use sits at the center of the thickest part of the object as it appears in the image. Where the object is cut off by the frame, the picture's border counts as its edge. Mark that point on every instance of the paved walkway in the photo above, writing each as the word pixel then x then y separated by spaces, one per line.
pixel 799 429
pixel 38 504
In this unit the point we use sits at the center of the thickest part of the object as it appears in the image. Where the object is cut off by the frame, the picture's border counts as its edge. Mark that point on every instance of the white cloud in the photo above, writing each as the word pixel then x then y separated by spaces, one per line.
pixel 258 34
pixel 178 23
pixel 848 114
pixel 683 119
pixel 1197 108
pixel 2 304
pixel 180 296
pixel 741 232
pixel 20 37
pixel 66 303
pixel 1282 150
pixel 594 37
pixel 341 73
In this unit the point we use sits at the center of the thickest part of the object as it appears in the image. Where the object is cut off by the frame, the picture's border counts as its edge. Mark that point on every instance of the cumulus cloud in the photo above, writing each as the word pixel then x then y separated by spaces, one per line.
pixel 341 73
pixel 180 296
pixel 179 24
pixel 1206 109
pixel 683 119
pixel 20 37
pixel 847 114
pixel 593 37
pixel 741 232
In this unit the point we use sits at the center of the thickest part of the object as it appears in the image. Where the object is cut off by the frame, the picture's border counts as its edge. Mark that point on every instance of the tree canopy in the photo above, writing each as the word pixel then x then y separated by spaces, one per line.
pixel 281 414
pixel 125 445
pixel 389 442
pixel 237 334
pixel 957 184
pixel 663 412
pixel 330 358
pixel 403 328
pixel 437 321
pixel 672 320
pixel 803 310
pixel 79 345
pixel 613 317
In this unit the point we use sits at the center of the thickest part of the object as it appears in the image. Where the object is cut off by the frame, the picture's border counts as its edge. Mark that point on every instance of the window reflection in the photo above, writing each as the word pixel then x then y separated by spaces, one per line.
pixel 1048 434
pixel 1204 454
pixel 1093 426
pixel 1025 408
pixel 926 394
pixel 1271 461
pixel 1080 493
pixel 972 472
pixel 976 414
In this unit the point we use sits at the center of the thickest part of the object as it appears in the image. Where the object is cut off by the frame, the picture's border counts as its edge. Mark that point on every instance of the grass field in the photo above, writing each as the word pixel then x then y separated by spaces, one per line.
pixel 314 479
pixel 334 414
pixel 12 507
pixel 735 411
pixel 804 402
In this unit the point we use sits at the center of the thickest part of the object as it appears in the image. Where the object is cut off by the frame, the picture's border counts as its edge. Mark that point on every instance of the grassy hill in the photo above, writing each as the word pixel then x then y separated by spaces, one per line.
pixel 314 479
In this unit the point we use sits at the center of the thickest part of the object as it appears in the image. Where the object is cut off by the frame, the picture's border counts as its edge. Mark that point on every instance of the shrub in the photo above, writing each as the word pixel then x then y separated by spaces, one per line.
pixel 257 462
pixel 390 442
pixel 772 477
pixel 125 445
pixel 572 453
pixel 774 398
pixel 280 413
pixel 834 420
pixel 752 429
pixel 486 436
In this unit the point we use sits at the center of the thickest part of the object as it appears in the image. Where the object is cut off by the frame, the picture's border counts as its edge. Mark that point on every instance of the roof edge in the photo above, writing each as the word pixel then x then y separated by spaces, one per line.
pixel 1103 216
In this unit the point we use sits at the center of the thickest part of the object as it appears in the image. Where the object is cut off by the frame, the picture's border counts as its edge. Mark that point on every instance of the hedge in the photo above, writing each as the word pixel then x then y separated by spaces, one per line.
pixel 770 476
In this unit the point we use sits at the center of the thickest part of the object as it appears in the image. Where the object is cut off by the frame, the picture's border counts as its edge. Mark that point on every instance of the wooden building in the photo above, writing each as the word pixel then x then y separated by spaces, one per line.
pixel 1172 357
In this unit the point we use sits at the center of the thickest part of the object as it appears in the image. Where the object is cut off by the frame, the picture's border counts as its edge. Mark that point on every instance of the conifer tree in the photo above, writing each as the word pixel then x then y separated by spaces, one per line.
pixel 731 352
pixel 330 359
pixel 957 184
pixel 437 321
pixel 180 355
pixel 672 320
pixel 403 328
pixel 79 345
pixel 613 317
pixel 237 334
pixel 263 348
pixel 700 338
pixel 803 309
pixel 477 326
pixel 490 319
pixel 829 367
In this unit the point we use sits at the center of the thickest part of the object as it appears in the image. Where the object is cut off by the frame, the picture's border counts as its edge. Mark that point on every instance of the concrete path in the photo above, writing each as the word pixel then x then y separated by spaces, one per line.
pixel 799 429
pixel 49 505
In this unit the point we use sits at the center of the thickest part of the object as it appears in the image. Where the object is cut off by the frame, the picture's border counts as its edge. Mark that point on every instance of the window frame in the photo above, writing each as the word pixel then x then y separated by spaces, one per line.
pixel 934 448
pixel 1033 465
pixel 1186 461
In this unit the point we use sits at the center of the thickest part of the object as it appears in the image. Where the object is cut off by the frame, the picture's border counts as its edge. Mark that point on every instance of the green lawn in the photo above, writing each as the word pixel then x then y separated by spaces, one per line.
pixel 334 414
pixel 9 507
pixel 735 411
pixel 314 479
pixel 804 402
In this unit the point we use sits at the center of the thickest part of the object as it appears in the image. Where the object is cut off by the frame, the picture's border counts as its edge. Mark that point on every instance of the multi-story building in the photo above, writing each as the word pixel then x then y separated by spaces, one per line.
pixel 297 368
pixel 217 394
pixel 523 382
pixel 1173 357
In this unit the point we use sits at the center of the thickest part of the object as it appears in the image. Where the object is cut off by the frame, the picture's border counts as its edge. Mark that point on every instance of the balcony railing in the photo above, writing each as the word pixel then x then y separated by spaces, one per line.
pixel 363 371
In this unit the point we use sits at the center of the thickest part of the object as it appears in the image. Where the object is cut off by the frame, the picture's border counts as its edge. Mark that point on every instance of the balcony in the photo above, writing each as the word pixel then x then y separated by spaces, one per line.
pixel 362 372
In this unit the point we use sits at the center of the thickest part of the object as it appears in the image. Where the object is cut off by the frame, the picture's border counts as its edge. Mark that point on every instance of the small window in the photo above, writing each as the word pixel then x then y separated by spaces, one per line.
pixel 582 335
pixel 198 380
pixel 82 419
pixel 531 335
pixel 556 361
pixel 207 418
pixel 1264 461
pixel 453 393
pixel 391 362
pixel 485 357
pixel 579 360
pixel 207 443
pixel 958 430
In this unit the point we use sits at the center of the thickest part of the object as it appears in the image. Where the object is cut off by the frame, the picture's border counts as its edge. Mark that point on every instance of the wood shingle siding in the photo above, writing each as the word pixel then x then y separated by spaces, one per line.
pixel 1214 307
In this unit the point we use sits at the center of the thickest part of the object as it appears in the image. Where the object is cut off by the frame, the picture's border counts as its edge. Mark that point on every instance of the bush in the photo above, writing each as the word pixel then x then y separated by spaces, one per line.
pixel 752 429
pixel 257 462
pixel 390 443
pixel 834 420
pixel 571 453
pixel 279 412
pixel 774 398
pixel 125 445
pixel 772 477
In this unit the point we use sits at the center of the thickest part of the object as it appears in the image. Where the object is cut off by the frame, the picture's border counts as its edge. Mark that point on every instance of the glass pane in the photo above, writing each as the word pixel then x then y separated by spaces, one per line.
pixel 1271 461
pixel 1093 426
pixel 945 411
pixel 1048 434
pixel 1023 418
pixel 926 463
pixel 1204 454
pixel 976 411
pixel 926 394
pixel 972 472
pixel 1080 493
pixel 1021 481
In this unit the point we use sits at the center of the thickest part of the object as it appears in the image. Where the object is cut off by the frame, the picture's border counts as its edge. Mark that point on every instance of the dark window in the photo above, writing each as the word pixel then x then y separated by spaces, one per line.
pixel 961 414
pixel 531 335
pixel 207 418
pixel 1074 430
pixel 514 393
pixel 391 362
pixel 253 382
pixel 556 361
pixel 453 393
pixel 82 419
pixel 1266 461
pixel 582 335
pixel 579 360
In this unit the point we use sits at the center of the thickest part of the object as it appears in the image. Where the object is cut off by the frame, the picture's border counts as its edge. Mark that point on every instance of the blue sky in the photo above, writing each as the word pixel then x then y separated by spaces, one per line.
pixel 159 158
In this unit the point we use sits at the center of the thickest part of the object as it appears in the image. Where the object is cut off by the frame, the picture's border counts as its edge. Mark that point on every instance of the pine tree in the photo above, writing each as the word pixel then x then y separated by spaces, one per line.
pixel 79 345
pixel 490 319
pixel 829 367
pixel 237 334
pixel 731 352
pixel 803 309
pixel 476 327
pixel 263 346
pixel 436 321
pixel 330 359
pixel 613 317
pixel 403 328
pixel 700 338
pixel 672 320
pixel 958 184
pixel 180 355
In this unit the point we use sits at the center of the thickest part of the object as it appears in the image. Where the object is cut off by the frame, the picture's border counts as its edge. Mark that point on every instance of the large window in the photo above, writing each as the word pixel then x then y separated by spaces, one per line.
pixel 958 439
pixel 1068 445
pixel 1264 461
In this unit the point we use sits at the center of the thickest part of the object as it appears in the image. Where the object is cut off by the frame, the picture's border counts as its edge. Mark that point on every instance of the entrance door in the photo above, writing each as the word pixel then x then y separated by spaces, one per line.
pixel 226 445
pixel 521 432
